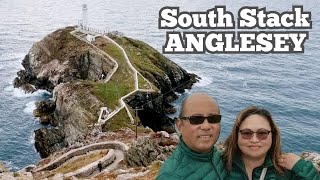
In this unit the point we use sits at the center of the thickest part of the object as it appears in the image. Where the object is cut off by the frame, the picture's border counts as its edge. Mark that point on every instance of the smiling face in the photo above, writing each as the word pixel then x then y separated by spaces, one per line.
pixel 202 137
pixel 254 148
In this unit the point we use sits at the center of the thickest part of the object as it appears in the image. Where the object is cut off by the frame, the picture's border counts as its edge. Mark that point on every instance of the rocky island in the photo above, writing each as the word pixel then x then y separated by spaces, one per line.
pixel 99 86
pixel 72 70
pixel 107 115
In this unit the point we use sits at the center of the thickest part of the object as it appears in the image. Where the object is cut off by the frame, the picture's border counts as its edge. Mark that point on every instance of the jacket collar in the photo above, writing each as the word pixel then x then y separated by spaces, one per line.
pixel 195 155
pixel 239 162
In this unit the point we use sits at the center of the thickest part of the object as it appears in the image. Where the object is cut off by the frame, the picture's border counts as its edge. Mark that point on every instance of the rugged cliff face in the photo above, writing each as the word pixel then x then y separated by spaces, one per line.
pixel 153 110
pixel 71 69
pixel 58 58
pixel 77 110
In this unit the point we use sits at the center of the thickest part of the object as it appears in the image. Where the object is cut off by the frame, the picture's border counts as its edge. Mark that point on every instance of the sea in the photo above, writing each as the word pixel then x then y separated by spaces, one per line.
pixel 286 84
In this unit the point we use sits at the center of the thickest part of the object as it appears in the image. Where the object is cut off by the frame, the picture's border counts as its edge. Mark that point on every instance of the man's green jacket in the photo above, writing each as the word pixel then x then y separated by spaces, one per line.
pixel 302 170
pixel 187 164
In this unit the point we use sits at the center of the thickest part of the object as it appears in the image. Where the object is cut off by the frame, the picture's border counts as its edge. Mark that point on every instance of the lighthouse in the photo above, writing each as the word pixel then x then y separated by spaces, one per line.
pixel 84 16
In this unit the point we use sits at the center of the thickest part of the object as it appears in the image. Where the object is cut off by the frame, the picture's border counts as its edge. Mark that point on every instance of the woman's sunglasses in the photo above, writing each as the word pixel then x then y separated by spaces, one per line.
pixel 248 133
pixel 196 120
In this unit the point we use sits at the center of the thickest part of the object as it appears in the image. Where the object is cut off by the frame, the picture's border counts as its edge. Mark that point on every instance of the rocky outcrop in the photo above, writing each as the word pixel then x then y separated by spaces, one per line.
pixel 3 168
pixel 58 63
pixel 48 141
pixel 44 110
pixel 76 110
pixel 5 174
pixel 152 112
pixel 146 150
pixel 16 176
pixel 58 58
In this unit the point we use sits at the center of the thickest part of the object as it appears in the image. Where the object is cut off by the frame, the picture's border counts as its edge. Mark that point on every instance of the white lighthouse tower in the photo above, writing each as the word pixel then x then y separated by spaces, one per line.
pixel 84 16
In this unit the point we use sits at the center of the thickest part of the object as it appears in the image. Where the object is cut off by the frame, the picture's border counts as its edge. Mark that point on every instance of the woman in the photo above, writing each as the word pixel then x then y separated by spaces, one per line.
pixel 253 150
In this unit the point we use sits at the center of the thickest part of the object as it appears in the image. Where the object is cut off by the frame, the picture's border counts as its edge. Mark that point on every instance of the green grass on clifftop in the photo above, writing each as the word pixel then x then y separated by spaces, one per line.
pixel 121 119
pixel 141 54
pixel 124 74
pixel 111 92
pixel 121 82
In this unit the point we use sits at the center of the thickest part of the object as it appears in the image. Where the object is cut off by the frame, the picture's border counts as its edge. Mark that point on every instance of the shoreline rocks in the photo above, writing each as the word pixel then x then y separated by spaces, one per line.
pixel 3 168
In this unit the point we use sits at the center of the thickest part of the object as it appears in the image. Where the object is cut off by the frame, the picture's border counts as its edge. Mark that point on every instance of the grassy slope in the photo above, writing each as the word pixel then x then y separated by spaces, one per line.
pixel 141 54
pixel 122 81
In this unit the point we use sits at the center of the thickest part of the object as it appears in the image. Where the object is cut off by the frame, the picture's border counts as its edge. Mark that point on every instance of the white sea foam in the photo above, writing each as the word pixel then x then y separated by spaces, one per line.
pixel 245 84
pixel 30 106
pixel 17 92
pixel 10 165
pixel 204 81
pixel 188 91
pixel 9 88
pixel 10 55
pixel 31 138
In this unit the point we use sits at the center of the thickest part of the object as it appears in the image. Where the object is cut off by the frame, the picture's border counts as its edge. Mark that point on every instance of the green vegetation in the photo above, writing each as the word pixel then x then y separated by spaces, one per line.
pixel 140 129
pixel 111 92
pixel 122 81
pixel 143 84
pixel 121 119
pixel 124 73
pixel 141 55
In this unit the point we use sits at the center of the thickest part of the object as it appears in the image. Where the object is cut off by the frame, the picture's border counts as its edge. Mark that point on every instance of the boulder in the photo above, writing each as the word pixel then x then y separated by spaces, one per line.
pixel 48 141
pixel 144 151
pixel 3 168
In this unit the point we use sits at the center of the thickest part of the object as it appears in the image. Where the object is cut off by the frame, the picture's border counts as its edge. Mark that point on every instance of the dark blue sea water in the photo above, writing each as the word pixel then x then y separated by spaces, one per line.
pixel 286 84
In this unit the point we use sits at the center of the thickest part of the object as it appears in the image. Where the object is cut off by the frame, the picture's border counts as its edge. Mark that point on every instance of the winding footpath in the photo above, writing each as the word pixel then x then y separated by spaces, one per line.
pixel 109 161
pixel 104 110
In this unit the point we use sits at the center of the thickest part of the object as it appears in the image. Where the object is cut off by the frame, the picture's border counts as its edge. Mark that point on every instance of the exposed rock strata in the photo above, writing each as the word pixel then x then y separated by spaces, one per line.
pixel 60 57
pixel 157 147
pixel 44 110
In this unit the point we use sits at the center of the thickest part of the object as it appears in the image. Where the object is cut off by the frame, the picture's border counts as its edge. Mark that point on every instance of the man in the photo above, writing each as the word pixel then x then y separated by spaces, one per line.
pixel 195 156
pixel 100 166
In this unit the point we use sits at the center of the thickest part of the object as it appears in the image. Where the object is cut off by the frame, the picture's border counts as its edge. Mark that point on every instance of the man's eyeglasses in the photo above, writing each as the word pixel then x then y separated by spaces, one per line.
pixel 198 119
pixel 248 133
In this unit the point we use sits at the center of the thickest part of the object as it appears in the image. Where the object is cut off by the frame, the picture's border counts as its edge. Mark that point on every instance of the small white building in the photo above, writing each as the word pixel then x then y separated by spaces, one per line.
pixel 90 38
